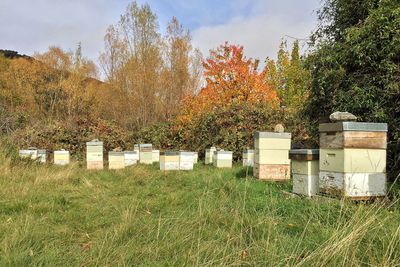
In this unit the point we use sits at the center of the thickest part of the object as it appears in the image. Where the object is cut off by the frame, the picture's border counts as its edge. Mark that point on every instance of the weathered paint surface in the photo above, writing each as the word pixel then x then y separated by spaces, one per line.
pixel 352 184
pixel 307 185
pixel 353 160
pixel 271 172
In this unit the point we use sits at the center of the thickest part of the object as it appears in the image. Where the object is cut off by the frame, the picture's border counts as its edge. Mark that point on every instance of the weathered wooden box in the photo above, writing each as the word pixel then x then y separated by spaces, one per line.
pixel 131 158
pixel 116 160
pixel 271 172
pixel 94 155
pixel 248 158
pixel 169 161
pixel 61 157
pixel 156 155
pixel 209 158
pixel 305 171
pixel 353 159
pixel 186 160
pixel 223 159
pixel 146 154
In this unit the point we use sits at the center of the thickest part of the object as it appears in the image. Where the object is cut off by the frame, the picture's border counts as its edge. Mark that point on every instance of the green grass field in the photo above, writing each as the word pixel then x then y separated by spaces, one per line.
pixel 53 216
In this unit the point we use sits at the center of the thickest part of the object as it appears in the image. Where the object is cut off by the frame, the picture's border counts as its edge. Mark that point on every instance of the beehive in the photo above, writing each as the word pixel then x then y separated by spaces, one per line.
pixel 195 157
pixel 305 171
pixel 30 153
pixel 94 155
pixel 353 159
pixel 271 156
pixel 131 158
pixel 156 155
pixel 223 159
pixel 248 158
pixel 210 155
pixel 146 153
pixel 186 160
pixel 61 157
pixel 116 160
pixel 169 161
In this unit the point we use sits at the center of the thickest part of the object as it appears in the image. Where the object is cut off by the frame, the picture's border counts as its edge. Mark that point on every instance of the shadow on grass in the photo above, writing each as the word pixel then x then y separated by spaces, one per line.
pixel 245 172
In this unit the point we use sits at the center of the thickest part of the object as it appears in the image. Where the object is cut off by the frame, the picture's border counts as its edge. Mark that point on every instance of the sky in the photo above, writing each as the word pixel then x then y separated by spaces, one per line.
pixel 30 26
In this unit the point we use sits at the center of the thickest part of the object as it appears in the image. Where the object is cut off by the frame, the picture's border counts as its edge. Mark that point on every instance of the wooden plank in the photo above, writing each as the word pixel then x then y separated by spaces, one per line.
pixel 339 140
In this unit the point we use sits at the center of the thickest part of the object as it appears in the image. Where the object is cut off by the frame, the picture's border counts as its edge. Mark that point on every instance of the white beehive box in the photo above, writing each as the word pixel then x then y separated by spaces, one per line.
pixel 30 153
pixel 41 155
pixel 156 155
pixel 271 156
pixel 248 158
pixel 169 161
pixel 94 155
pixel 209 158
pixel 195 157
pixel 131 158
pixel 116 160
pixel 61 157
pixel 186 160
pixel 146 153
pixel 305 171
pixel 223 159
pixel 353 159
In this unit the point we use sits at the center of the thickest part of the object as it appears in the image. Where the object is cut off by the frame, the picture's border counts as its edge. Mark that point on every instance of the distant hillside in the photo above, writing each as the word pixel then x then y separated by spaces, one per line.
pixel 13 54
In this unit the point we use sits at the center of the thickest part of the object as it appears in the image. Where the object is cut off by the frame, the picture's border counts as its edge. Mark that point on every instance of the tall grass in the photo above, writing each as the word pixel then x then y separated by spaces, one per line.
pixel 53 216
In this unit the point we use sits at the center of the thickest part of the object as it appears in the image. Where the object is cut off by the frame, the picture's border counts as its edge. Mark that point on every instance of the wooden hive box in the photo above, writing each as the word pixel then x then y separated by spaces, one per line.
pixel 353 159
pixel 146 154
pixel 248 158
pixel 169 161
pixel 116 160
pixel 94 155
pixel 279 173
pixel 61 157
pixel 210 155
pixel 305 171
pixel 131 158
pixel 156 155
pixel 186 160
pixel 223 159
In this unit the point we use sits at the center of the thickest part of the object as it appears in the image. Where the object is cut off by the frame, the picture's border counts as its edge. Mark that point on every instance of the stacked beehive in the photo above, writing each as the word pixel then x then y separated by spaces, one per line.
pixel 248 158
pixel 94 155
pixel 61 157
pixel 116 160
pixel 210 155
pixel 353 159
pixel 169 161
pixel 186 160
pixel 156 156
pixel 271 156
pixel 223 159
pixel 131 158
pixel 146 153
pixel 305 171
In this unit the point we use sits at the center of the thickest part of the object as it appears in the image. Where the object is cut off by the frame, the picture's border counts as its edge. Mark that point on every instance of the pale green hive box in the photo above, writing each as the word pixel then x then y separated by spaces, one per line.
pixel 223 159
pixel 305 171
pixel 272 141
pixel 116 160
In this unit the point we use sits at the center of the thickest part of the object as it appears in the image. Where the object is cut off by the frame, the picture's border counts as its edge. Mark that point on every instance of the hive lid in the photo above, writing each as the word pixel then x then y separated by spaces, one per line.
pixel 41 150
pixel 273 135
pixel 304 154
pixel 223 152
pixel 353 126
pixel 131 152
pixel 186 153
pixel 145 145
pixel 115 153
pixel 94 143
pixel 170 153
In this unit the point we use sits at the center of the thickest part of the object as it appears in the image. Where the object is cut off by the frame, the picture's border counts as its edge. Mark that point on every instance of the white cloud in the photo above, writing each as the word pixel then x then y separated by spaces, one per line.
pixel 262 31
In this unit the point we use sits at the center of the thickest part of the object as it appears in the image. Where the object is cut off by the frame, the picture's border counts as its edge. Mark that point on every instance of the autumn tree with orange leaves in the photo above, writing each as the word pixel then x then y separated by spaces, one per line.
pixel 230 78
